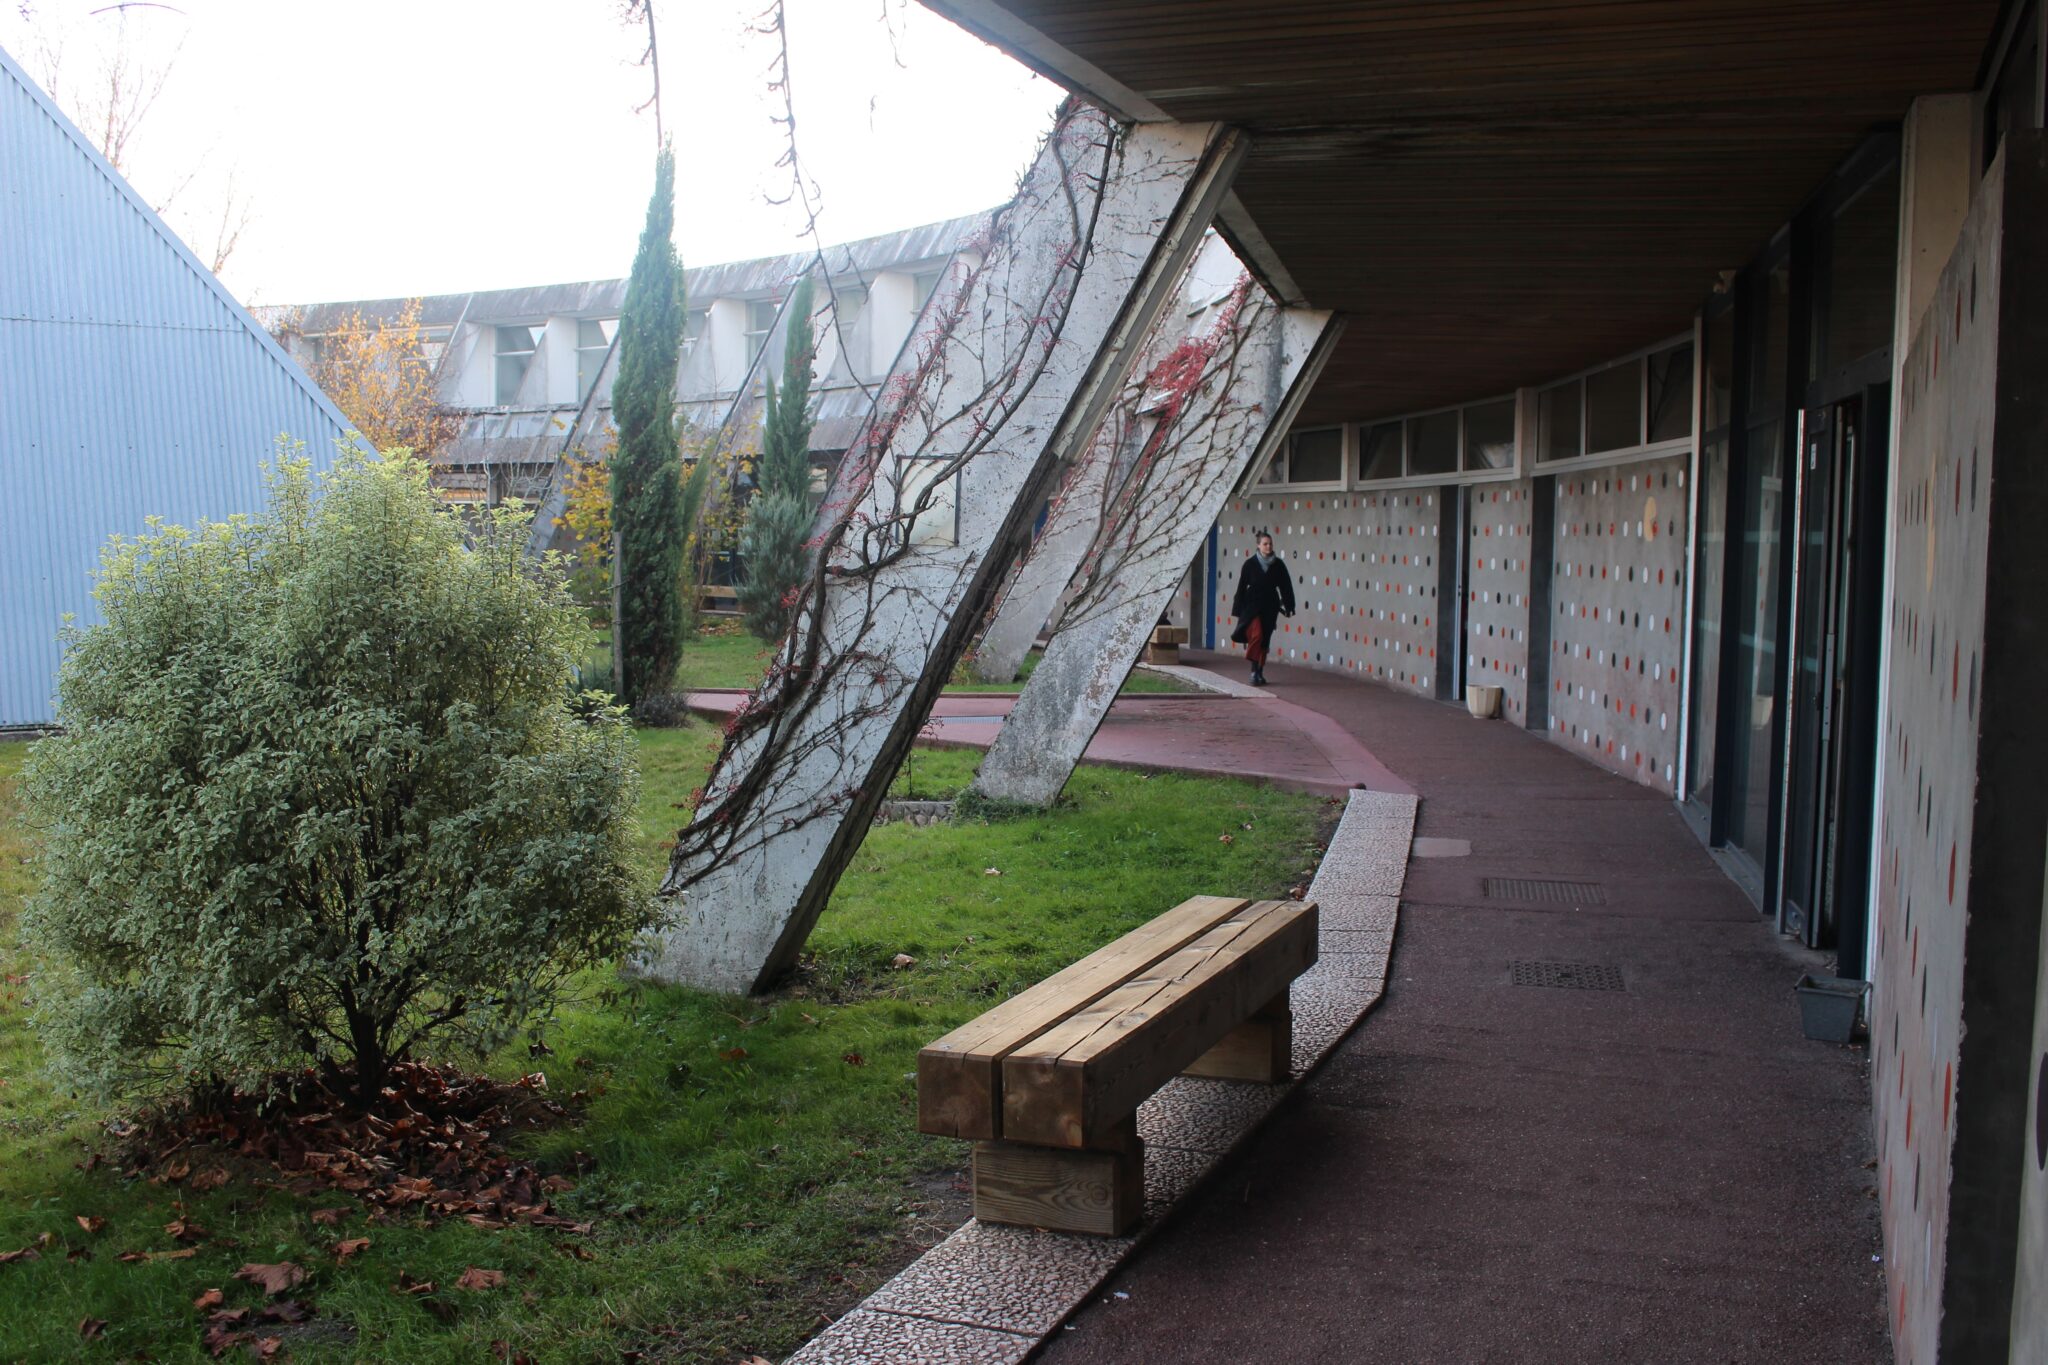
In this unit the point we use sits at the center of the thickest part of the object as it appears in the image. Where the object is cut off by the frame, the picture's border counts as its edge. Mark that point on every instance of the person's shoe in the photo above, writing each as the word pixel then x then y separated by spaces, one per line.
pixel 1259 678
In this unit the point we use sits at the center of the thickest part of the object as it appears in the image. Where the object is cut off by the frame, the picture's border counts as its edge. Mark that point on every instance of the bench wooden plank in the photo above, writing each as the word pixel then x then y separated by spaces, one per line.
pixel 958 1090
pixel 1075 1083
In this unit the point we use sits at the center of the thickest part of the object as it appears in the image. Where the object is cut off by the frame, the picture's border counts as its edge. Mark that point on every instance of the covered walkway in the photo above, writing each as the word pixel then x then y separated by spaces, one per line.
pixel 1659 1168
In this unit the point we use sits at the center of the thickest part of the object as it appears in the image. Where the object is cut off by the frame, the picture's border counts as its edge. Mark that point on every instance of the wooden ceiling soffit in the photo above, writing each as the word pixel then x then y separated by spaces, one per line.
pixel 997 26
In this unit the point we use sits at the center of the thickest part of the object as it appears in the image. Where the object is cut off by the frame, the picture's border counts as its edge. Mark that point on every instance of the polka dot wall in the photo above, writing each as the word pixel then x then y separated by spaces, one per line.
pixel 1941 519
pixel 1617 630
pixel 1497 594
pixel 1365 579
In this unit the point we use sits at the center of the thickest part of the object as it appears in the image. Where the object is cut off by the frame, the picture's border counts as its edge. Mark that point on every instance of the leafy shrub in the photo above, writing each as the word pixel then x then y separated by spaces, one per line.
pixel 772 547
pixel 320 795
pixel 663 710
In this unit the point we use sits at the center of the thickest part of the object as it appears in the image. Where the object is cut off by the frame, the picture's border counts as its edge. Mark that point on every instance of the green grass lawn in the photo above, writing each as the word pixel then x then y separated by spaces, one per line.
pixel 729 657
pixel 756 1163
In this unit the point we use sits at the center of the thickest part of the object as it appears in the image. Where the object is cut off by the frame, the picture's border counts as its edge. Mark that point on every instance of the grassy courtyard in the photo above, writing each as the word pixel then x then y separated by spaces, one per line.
pixel 749 1168
pixel 726 656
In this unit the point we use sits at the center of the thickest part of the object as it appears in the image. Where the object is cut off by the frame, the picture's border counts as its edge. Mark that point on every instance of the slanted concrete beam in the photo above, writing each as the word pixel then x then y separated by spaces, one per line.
pixel 933 503
pixel 1033 593
pixel 1260 364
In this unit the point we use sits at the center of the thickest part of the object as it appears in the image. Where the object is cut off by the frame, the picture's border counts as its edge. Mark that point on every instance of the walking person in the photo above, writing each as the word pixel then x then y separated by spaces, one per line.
pixel 1265 593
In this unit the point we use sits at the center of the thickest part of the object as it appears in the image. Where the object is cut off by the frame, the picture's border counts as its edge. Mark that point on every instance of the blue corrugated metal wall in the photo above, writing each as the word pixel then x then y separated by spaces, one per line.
pixel 131 385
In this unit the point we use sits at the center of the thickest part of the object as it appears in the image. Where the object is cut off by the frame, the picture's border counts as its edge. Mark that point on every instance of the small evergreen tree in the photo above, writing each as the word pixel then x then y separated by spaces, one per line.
pixel 320 796
pixel 774 545
pixel 646 474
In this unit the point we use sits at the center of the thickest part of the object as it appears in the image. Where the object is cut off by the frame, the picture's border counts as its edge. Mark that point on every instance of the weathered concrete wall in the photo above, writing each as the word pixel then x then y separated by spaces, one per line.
pixel 1365 579
pixel 1617 629
pixel 1260 360
pixel 1954 1056
pixel 1037 590
pixel 932 503
pixel 1497 594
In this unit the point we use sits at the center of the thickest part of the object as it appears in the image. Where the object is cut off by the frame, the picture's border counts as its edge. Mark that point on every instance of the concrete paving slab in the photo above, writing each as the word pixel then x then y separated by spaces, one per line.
pixel 1021 1280
pixel 866 1337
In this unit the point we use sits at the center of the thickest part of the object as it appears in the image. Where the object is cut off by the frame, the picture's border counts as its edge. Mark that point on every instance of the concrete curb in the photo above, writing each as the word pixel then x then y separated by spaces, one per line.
pixel 989 1294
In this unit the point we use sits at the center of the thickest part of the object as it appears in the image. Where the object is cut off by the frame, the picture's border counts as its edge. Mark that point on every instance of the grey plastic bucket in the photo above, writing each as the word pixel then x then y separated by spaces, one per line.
pixel 1828 1006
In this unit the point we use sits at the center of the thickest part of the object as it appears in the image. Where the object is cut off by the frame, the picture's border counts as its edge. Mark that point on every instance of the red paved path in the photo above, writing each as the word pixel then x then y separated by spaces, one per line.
pixel 1491 1172
pixel 1267 737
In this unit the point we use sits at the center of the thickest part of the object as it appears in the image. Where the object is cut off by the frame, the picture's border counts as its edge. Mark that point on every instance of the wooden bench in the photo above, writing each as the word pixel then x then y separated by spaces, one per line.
pixel 718 598
pixel 1164 646
pixel 1047 1084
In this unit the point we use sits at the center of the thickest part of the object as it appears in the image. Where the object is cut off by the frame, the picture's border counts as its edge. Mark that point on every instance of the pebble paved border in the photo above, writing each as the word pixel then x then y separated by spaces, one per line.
pixel 989 1294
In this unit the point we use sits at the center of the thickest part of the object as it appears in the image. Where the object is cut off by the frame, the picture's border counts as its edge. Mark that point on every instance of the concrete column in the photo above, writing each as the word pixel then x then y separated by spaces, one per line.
pixel 1034 590
pixel 1264 361
pixel 1014 369
pixel 1937 177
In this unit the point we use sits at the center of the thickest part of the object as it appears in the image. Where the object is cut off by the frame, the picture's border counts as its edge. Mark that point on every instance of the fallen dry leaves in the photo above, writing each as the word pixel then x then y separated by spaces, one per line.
pixel 477 1278
pixel 349 1246
pixel 432 1149
pixel 273 1279
pixel 227 1328
pixel 209 1300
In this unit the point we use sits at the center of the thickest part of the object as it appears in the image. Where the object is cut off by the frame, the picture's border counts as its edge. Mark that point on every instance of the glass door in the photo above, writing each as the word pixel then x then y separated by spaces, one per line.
pixel 1834 693
pixel 1814 675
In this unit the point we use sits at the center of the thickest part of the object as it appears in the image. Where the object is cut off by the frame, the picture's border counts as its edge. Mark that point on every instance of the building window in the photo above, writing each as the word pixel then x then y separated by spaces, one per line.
pixel 1379 451
pixel 847 306
pixel 434 344
pixel 1614 408
pixel 923 285
pixel 1478 438
pixel 760 322
pixel 1315 456
pixel 1489 436
pixel 593 344
pixel 516 347
pixel 693 330
pixel 1642 403
pixel 1670 395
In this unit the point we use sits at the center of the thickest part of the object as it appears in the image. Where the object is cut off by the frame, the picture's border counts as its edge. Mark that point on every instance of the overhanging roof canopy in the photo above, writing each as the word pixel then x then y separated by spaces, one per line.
pixel 1498 192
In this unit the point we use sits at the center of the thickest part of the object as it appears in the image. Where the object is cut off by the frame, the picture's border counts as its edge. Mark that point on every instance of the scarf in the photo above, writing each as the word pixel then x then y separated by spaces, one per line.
pixel 1266 561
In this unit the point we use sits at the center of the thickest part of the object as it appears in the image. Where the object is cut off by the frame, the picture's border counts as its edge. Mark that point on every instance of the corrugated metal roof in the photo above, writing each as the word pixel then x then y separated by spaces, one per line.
pixel 131 385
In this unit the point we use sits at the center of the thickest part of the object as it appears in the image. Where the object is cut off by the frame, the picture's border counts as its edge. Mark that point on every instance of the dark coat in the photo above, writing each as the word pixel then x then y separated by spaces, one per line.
pixel 1263 593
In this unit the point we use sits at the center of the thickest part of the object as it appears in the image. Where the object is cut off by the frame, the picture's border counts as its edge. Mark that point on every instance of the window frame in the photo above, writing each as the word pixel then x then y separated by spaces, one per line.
pixel 1521 398
pixel 1284 449
pixel 537 336
pixel 1644 449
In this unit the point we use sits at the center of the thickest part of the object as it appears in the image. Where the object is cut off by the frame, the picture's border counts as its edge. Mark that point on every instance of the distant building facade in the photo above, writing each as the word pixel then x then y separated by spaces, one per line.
pixel 528 372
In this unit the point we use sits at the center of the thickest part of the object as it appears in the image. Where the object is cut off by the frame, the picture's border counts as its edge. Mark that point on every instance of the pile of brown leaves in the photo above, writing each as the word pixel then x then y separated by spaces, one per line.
pixel 434 1149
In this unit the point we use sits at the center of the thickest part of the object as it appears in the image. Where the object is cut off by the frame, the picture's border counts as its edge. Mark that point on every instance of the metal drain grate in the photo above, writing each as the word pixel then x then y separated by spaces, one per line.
pixel 1571 976
pixel 1556 893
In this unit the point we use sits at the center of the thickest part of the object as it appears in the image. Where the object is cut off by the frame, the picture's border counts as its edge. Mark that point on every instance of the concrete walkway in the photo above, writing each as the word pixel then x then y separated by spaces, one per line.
pixel 1494 1171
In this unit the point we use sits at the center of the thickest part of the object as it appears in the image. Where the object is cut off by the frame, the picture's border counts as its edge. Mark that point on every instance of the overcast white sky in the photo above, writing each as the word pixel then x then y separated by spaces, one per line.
pixel 399 147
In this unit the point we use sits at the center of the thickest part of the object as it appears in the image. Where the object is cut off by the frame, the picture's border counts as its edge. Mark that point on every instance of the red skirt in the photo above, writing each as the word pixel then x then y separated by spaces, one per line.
pixel 1255 642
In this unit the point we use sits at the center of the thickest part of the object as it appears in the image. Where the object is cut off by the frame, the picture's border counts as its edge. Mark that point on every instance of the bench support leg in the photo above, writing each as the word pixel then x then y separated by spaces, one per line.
pixel 1260 1049
pixel 1100 1191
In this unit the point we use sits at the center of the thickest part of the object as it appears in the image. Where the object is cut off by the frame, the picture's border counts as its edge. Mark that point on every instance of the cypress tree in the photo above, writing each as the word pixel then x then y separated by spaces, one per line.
pixel 773 544
pixel 647 520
